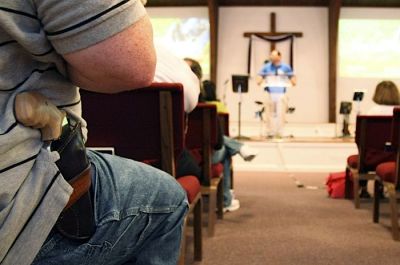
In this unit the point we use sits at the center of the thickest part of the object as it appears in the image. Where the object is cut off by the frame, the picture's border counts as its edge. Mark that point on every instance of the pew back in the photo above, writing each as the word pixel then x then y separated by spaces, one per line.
pixel 138 124
pixel 372 133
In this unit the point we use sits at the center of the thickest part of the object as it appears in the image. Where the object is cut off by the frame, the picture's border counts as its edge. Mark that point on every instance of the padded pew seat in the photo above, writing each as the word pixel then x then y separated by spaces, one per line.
pixel 352 161
pixel 216 170
pixel 387 171
pixel 191 185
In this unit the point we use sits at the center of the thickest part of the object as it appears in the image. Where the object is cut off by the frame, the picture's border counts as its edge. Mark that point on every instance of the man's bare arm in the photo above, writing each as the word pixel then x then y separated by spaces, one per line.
pixel 293 80
pixel 124 61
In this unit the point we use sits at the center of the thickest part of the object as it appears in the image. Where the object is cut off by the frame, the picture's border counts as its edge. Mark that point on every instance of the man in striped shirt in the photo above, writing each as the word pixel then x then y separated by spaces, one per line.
pixel 53 47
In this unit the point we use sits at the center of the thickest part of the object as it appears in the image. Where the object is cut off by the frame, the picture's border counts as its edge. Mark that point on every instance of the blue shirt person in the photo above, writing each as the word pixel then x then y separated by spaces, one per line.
pixel 276 101
pixel 277 68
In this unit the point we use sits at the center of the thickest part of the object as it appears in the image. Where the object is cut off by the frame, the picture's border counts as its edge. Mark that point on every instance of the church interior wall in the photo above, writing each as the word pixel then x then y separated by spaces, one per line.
pixel 310 96
pixel 346 85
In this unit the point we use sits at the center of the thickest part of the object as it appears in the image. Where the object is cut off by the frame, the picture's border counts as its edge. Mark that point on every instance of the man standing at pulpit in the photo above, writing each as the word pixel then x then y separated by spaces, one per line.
pixel 276 78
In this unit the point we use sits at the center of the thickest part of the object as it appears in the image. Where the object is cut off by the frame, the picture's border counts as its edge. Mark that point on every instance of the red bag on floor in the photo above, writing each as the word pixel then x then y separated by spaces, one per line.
pixel 336 185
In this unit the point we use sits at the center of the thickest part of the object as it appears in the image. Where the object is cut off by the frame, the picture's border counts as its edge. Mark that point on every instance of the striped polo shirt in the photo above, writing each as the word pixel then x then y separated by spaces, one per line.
pixel 33 36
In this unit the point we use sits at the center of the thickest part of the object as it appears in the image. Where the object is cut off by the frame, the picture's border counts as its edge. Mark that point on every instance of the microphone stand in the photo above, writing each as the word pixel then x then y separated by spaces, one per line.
pixel 240 136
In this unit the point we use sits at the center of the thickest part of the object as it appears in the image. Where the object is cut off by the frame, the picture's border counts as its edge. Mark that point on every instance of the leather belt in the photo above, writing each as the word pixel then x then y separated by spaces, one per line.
pixel 81 184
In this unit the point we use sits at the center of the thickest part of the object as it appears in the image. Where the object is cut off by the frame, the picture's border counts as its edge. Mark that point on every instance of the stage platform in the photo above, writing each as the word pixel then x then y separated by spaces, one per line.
pixel 313 148
pixel 298 155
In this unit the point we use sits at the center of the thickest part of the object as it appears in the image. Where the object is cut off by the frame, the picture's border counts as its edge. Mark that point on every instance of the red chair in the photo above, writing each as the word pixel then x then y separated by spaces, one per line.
pixel 372 133
pixel 145 125
pixel 201 137
pixel 388 176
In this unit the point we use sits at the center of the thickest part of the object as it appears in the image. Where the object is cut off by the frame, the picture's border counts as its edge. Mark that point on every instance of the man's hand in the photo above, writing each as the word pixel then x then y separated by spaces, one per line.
pixel 293 80
pixel 34 110
pixel 259 80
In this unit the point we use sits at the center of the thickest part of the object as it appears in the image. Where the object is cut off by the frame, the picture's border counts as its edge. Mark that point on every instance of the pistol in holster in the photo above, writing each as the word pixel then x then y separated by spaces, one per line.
pixel 77 220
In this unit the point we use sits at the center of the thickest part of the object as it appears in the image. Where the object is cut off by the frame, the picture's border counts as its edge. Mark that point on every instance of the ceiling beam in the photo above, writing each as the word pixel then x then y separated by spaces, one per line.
pixel 176 3
pixel 273 3
pixel 315 3
pixel 334 13
pixel 371 3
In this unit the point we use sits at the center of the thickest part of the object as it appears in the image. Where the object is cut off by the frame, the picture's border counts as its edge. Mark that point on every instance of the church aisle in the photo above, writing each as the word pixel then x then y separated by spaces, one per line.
pixel 280 224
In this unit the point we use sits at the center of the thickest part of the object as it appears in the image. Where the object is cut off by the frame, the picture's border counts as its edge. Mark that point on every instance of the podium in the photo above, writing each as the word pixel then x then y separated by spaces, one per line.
pixel 277 81
pixel 276 86
pixel 240 85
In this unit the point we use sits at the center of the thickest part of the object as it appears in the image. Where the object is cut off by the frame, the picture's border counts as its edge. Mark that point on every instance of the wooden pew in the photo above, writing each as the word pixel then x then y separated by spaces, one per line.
pixel 224 119
pixel 372 132
pixel 387 175
pixel 145 125
pixel 201 137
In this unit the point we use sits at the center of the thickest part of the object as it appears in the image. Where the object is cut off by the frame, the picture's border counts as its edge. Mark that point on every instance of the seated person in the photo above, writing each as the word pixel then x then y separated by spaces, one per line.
pixel 170 68
pixel 229 146
pixel 104 47
pixel 386 97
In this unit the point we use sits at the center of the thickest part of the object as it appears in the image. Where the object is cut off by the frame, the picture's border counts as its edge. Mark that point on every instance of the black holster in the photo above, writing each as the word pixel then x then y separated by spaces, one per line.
pixel 77 219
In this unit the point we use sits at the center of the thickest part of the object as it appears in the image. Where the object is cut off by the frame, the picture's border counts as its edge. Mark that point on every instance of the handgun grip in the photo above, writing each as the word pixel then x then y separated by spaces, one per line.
pixel 32 109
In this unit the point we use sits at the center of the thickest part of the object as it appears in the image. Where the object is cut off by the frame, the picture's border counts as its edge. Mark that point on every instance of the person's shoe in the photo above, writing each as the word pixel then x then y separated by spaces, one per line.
pixel 364 194
pixel 235 205
pixel 248 153
pixel 232 192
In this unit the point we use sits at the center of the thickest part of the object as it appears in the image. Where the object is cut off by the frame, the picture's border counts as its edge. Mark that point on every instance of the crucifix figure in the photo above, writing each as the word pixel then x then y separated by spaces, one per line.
pixel 273 32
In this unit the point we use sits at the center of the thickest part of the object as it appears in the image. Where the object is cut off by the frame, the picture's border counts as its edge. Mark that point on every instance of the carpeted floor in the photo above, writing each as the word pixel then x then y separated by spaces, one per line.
pixel 279 223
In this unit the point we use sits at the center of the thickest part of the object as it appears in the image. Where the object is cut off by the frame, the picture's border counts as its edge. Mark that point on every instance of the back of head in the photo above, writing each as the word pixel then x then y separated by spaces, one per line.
pixel 195 66
pixel 386 93
pixel 209 91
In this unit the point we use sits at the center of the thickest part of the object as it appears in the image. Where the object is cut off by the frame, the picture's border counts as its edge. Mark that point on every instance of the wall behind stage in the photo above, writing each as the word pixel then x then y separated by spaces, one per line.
pixel 347 85
pixel 310 96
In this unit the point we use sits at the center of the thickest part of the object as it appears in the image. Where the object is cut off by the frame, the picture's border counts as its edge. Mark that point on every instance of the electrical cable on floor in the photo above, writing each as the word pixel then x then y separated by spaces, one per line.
pixel 299 184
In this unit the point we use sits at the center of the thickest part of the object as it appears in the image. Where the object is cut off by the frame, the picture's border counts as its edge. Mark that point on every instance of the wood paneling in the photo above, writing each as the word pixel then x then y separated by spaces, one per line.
pixel 371 3
pixel 154 3
pixel 213 12
pixel 273 3
pixel 334 13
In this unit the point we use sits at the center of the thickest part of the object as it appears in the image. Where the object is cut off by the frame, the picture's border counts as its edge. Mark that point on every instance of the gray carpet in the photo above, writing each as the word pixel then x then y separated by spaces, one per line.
pixel 279 223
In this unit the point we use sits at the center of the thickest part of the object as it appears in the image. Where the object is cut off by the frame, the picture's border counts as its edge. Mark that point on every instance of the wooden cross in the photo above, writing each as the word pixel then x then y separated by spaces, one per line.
pixel 273 32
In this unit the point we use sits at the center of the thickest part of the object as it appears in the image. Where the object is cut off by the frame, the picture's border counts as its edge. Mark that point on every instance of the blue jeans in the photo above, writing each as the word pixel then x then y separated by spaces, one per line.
pixel 139 213
pixel 224 155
